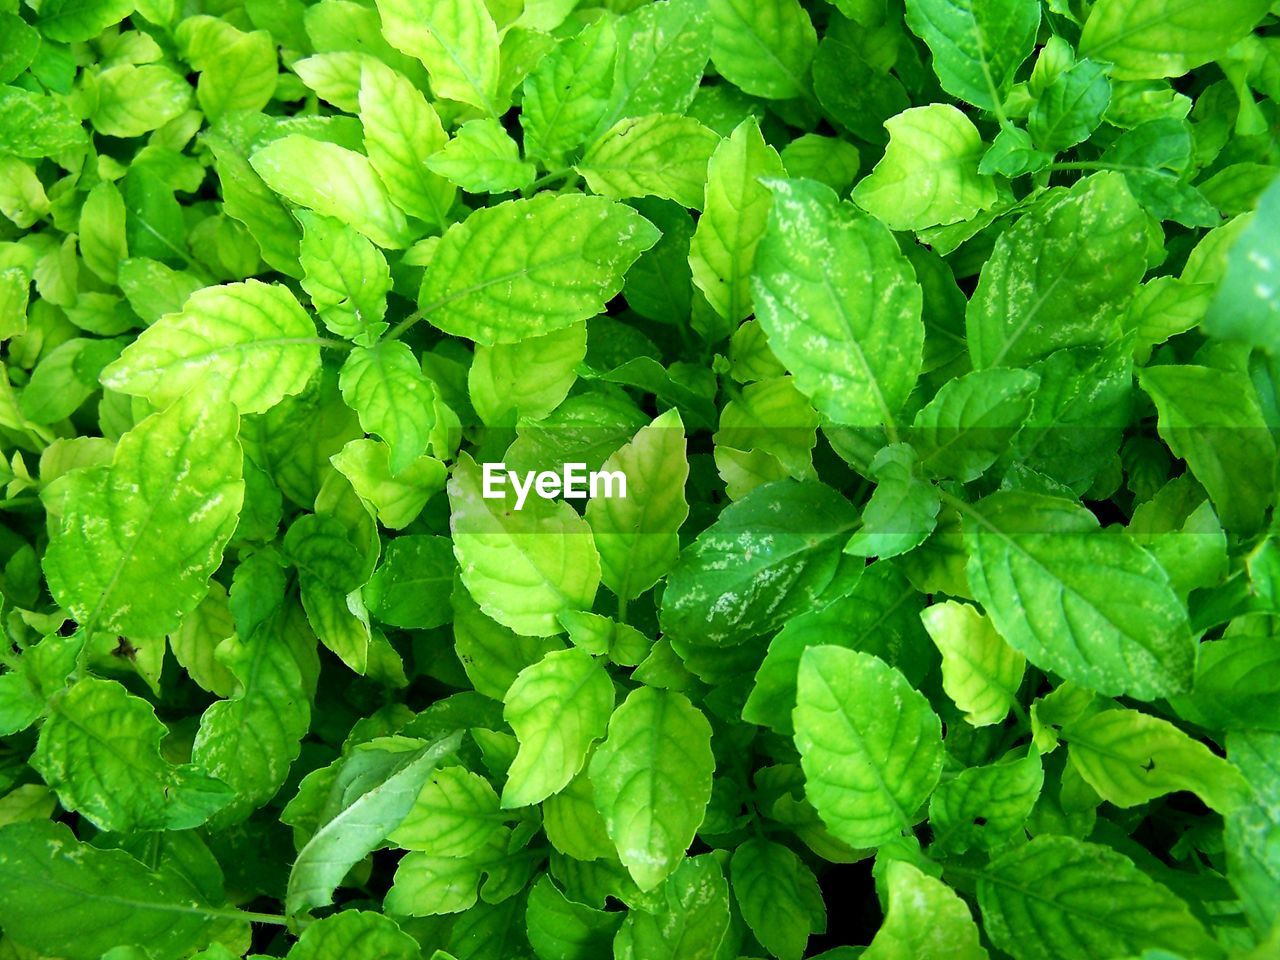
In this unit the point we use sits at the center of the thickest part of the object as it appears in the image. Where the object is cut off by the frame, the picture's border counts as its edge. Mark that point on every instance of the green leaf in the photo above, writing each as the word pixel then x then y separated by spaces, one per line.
pixel 345 275
pixel 929 172
pixel 870 746
pixel 237 69
pixel 563 929
pixel 71 21
pixel 359 827
pixel 722 253
pixel 491 654
pixel 1130 758
pixel 335 182
pixel 902 510
pixel 764 48
pixel 1093 607
pixel 35 126
pixel 100 751
pixel 522 566
pixel 75 900
pixel 1059 897
pixel 925 920
pixel 1211 419
pixel 427 885
pixel 1251 830
pixel 987 806
pixel 689 919
pixel 250 340
pixel 530 267
pixel 970 422
pixel 567 94
pixel 367 466
pixel 457 42
pixel 354 934
pixel 1060 276
pixel 411 588
pixel 840 305
pixel 250 740
pixel 637 536
pixel 1149 38
pixel 1071 108
pixel 778 896
pixel 133 548
pixel 658 155
pixel 1246 304
pixel 557 707
pixel 977 45
pixel 663 49
pixel 528 378
pixel 133 100
pixel 482 158
pixel 652 781
pixel 401 132
pixel 455 815
pixel 386 387
pixel 769 556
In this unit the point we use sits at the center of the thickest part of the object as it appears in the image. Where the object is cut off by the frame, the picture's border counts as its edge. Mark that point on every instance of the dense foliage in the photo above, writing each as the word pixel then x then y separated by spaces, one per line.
pixel 938 345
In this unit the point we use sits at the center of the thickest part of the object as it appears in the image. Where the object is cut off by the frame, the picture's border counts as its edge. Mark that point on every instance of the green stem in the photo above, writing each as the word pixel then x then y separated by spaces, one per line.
pixel 547 179
pixel 19 502
pixel 622 609
pixel 399 329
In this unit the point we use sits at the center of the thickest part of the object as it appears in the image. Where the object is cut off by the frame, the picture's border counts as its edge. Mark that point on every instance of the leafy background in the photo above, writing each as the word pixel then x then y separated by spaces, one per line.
pixel 937 343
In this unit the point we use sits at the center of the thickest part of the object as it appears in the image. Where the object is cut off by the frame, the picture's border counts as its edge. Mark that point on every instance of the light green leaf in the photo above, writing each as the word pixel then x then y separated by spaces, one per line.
pixel 100 751
pixel 427 886
pixel 455 815
pixel 1059 897
pixel 870 745
pixel 34 126
pixel 71 21
pixel 1092 606
pixel 567 94
pixel 385 385
pixel 359 827
pixel 734 217
pixel 194 642
pixel 398 499
pixel 331 571
pixel 251 341
pixel 929 173
pixel 658 155
pixel 237 69
pixel 574 825
pixel 688 920
pixel 525 268
pixel 767 558
pixel 652 781
pixel 401 131
pixel 970 421
pixel 558 707
pixel 346 276
pixel 977 45
pixel 1211 419
pixel 528 378
pixel 1252 834
pixel 482 158
pixel 638 535
pixel 457 42
pixel 71 899
pixel 136 541
pixel 980 672
pixel 335 182
pixel 522 566
pixel 1154 38
pixel 763 48
pixel 354 935
pixel 766 433
pixel 779 897
pixel 1130 758
pixel 840 305
pixel 132 101
pixel 924 920
pixel 1060 276
pixel 491 654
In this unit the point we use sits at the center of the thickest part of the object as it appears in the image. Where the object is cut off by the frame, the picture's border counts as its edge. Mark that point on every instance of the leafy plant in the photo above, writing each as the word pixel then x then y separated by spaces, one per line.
pixel 935 342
